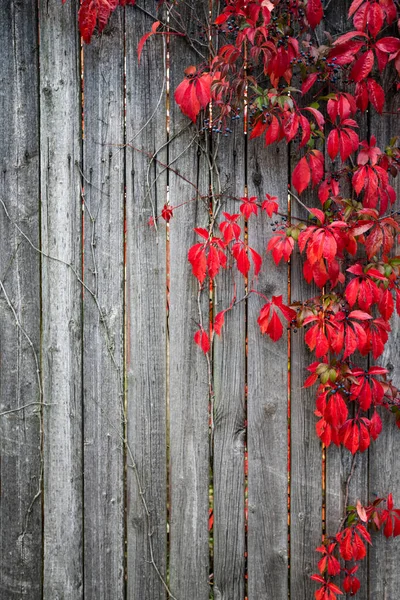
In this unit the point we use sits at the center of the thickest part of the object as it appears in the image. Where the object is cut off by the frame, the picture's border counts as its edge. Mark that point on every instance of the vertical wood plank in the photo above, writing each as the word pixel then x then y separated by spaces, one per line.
pixel 60 140
pixel 146 310
pixel 188 384
pixel 384 477
pixel 229 367
pixel 305 446
pixel 20 458
pixel 103 334
pixel 267 403
pixel 339 460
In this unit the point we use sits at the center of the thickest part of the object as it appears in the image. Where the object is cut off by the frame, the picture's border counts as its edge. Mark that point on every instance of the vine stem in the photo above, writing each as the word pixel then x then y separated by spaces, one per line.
pixel 347 491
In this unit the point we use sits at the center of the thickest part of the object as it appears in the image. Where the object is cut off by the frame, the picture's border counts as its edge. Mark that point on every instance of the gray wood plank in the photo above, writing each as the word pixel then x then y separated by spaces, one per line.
pixel 267 403
pixel 103 333
pixel 60 140
pixel 229 367
pixel 146 304
pixel 339 460
pixel 305 446
pixel 188 377
pixel 384 477
pixel 20 438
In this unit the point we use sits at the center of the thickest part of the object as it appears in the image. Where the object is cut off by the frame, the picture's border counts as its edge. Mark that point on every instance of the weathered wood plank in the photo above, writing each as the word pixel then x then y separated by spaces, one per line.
pixel 188 383
pixel 146 311
pixel 20 439
pixel 339 460
pixel 384 476
pixel 103 333
pixel 267 403
pixel 305 447
pixel 229 367
pixel 60 141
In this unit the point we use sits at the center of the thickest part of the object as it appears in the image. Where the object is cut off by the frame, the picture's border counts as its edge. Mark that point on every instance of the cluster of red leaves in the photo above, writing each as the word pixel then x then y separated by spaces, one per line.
pixel 208 257
pixel 96 12
pixel 349 544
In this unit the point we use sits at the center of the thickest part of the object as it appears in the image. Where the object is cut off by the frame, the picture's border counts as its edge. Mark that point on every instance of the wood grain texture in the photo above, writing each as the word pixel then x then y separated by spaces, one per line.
pixel 60 150
pixel 384 476
pixel 146 310
pixel 339 460
pixel 188 377
pixel 103 333
pixel 267 403
pixel 20 459
pixel 229 366
pixel 305 446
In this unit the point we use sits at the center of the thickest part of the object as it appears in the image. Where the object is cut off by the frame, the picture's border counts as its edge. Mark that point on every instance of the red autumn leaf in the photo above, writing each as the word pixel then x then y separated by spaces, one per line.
pixel 270 205
pixel 257 261
pixel 167 212
pixel 374 19
pixel 249 206
pixel 301 175
pixel 274 132
pixel 198 259
pixel 242 260
pixel 363 66
pixel 274 328
pixel 376 95
pixel 193 93
pixel 87 18
pixel 145 37
pixel 355 5
pixel 388 44
pixel 314 12
pixel 219 322
pixel 281 246
pixel 202 340
pixel 328 562
pixel 229 228
pixel 386 304
pixel 316 159
pixel 333 143
pixel 308 82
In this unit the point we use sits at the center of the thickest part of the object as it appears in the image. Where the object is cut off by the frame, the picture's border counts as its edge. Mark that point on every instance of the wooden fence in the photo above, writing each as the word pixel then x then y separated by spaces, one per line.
pixel 106 455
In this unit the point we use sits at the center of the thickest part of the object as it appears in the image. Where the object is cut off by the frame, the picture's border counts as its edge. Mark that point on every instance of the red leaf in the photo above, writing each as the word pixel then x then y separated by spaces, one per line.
pixel 309 82
pixel 317 115
pixel 201 338
pixel 273 133
pixel 198 260
pixel 333 143
pixel 270 205
pixel 301 175
pixel 363 66
pixel 275 328
pixel 388 44
pixel 249 206
pixel 386 305
pixel 375 19
pixel 354 6
pixel 219 322
pixel 145 37
pixel 87 17
pixel 242 261
pixel 316 166
pixel 257 260
pixel 376 95
pixel 314 12
pixel 167 213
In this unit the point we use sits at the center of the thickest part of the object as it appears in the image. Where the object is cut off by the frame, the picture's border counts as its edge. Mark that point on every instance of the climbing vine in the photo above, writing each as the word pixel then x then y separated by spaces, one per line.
pixel 289 85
